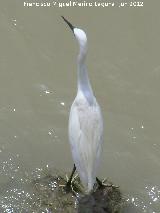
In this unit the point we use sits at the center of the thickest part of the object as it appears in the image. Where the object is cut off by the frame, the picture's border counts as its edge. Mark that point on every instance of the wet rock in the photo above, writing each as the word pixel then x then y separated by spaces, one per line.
pixel 50 196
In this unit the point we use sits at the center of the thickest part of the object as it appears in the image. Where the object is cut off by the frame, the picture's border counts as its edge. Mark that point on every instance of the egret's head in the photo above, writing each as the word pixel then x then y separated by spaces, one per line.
pixel 79 34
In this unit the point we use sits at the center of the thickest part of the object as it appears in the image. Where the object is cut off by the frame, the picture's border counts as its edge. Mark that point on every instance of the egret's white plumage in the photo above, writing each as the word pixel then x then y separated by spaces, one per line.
pixel 85 121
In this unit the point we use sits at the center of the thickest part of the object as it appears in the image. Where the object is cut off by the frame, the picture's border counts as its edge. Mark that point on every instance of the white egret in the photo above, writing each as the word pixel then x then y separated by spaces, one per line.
pixel 85 121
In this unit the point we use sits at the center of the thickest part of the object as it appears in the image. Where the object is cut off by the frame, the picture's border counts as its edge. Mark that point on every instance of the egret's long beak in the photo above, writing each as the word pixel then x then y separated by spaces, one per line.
pixel 69 24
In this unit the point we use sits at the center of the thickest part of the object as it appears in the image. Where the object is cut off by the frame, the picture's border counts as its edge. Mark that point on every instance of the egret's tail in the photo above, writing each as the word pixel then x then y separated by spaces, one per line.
pixel 88 180
pixel 90 186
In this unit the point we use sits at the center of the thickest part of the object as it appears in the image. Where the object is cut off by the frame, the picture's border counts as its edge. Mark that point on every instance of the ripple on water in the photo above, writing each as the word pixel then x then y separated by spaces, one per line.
pixel 140 206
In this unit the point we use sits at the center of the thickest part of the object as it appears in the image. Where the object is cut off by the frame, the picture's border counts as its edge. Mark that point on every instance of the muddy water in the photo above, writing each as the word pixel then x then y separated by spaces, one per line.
pixel 38 84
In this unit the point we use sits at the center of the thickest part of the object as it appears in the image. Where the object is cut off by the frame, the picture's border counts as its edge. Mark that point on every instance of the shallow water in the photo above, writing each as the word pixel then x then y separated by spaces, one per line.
pixel 38 85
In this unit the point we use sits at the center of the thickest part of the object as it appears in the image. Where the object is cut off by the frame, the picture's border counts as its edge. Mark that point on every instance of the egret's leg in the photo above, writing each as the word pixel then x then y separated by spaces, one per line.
pixel 99 182
pixel 68 185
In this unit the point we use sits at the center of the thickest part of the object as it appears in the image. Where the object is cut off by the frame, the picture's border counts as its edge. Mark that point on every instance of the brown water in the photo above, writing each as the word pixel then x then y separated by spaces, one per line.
pixel 38 85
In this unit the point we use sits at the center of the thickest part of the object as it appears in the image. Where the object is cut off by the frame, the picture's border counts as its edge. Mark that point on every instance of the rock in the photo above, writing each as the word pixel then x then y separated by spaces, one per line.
pixel 50 196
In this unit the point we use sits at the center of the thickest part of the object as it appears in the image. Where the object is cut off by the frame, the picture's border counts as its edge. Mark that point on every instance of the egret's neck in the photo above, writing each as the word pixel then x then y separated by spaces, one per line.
pixel 84 85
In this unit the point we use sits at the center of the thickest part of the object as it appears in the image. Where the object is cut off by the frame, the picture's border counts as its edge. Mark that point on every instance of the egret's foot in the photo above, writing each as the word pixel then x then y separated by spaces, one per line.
pixel 104 184
pixel 69 186
pixel 65 180
pixel 72 186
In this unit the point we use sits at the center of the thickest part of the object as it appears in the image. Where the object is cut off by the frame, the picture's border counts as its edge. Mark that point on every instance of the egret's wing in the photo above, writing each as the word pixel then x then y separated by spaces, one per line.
pixel 85 134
